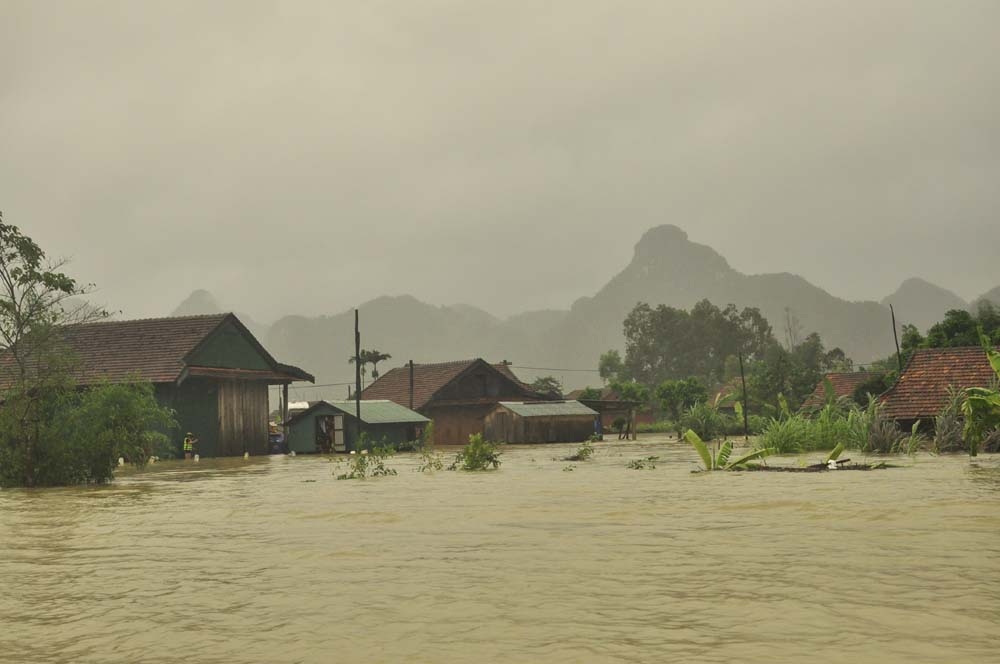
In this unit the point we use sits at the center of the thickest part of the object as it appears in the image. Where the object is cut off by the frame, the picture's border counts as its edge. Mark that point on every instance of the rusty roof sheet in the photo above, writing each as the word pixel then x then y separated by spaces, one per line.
pixel 922 389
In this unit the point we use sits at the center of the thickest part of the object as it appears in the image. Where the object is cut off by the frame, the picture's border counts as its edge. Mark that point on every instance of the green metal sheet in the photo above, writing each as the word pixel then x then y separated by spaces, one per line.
pixel 381 412
pixel 547 408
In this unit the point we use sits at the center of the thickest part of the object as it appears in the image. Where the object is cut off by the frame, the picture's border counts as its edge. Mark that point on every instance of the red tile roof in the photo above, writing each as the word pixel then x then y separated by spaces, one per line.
pixel 922 389
pixel 152 349
pixel 428 379
pixel 844 385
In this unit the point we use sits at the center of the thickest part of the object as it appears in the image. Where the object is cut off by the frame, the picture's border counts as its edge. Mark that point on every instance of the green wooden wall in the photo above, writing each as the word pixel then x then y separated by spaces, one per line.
pixel 228 347
pixel 196 403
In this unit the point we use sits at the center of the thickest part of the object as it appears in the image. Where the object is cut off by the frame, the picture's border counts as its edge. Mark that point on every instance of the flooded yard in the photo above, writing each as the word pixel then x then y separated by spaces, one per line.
pixel 272 560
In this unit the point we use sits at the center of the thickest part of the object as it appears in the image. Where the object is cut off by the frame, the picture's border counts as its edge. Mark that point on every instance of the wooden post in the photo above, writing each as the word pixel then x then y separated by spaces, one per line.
pixel 284 411
pixel 899 357
pixel 357 372
pixel 746 415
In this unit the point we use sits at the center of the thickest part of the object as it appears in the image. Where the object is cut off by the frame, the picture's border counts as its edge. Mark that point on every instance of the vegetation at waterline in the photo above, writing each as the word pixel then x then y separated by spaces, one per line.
pixel 478 454
pixel 51 432
pixel 720 460
pixel 367 464
pixel 584 453
pixel 647 463
pixel 981 406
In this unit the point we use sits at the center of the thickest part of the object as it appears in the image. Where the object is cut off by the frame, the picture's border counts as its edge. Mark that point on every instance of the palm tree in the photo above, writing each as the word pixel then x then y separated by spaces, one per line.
pixel 363 363
pixel 373 358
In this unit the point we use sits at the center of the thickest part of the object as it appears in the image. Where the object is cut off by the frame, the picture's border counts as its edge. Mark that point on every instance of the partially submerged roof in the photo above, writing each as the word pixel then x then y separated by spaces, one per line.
pixel 373 411
pixel 159 350
pixel 429 379
pixel 922 388
pixel 547 408
pixel 844 384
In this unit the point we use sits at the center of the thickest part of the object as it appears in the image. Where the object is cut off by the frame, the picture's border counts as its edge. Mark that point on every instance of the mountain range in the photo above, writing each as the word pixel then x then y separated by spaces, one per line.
pixel 667 268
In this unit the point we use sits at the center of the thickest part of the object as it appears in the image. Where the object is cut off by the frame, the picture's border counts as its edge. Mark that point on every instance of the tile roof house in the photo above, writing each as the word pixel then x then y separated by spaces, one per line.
pixel 456 395
pixel 844 384
pixel 209 369
pixel 921 390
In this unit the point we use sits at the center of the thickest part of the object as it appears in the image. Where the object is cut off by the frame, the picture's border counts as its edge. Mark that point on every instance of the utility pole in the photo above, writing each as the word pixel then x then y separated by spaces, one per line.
pixel 357 373
pixel 899 356
pixel 743 379
pixel 411 384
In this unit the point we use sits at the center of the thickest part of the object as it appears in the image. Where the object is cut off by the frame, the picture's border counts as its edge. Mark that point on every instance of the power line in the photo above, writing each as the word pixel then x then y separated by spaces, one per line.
pixel 552 369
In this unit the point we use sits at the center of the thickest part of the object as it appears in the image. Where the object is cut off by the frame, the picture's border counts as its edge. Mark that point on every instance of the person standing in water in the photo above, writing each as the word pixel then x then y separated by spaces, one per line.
pixel 189 442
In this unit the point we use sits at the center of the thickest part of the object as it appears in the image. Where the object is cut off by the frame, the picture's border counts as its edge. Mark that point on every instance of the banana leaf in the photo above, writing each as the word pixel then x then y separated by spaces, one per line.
pixel 835 453
pixel 699 445
pixel 724 452
pixel 756 454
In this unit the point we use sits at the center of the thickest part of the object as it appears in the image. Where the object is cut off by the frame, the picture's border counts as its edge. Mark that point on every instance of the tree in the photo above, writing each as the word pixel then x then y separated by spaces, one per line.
pixel 373 357
pixel 52 433
pixel 547 385
pixel 665 343
pixel 677 395
pixel 635 393
pixel 610 366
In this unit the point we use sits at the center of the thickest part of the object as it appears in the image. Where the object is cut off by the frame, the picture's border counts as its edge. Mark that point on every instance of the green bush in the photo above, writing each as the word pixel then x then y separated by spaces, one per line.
pixel 81 434
pixel 364 464
pixel 788 435
pixel 704 420
pixel 479 454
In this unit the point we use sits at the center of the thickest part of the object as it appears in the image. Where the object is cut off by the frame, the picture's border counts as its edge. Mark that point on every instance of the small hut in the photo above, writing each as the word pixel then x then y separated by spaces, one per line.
pixel 541 422
pixel 331 426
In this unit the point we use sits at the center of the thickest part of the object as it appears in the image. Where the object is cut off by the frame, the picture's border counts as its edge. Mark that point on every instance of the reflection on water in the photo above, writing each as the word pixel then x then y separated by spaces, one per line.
pixel 271 560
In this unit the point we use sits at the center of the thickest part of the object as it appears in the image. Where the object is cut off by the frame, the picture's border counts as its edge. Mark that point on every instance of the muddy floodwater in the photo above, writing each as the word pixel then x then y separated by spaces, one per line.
pixel 272 560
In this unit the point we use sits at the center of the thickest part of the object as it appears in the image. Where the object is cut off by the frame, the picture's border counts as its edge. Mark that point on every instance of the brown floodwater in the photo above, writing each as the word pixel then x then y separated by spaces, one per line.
pixel 272 560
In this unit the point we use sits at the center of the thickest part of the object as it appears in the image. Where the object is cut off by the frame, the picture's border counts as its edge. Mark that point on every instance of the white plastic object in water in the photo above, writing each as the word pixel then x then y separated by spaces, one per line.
pixel 831 464
pixel 292 453
pixel 246 455
pixel 121 461
pixel 197 457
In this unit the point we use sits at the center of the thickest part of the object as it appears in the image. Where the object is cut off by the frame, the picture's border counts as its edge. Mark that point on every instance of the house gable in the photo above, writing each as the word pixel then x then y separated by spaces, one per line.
pixel 230 346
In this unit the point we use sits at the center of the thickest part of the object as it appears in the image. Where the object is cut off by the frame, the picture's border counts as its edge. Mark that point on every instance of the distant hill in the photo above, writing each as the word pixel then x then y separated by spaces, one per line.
pixel 198 303
pixel 202 303
pixel 667 268
pixel 921 303
pixel 992 296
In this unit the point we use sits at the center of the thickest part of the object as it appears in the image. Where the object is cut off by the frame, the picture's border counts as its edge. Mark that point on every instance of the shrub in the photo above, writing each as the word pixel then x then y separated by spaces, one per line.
pixel 948 425
pixel 367 464
pixel 704 420
pixel 643 464
pixel 870 431
pixel 82 434
pixel 479 454
pixel 583 454
pixel 788 435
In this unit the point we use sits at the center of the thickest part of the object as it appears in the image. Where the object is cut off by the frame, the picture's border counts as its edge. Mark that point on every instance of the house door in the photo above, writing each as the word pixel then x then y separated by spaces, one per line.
pixel 330 433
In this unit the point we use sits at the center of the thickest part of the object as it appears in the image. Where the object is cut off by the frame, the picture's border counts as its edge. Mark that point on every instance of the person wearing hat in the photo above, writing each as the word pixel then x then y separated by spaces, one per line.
pixel 189 443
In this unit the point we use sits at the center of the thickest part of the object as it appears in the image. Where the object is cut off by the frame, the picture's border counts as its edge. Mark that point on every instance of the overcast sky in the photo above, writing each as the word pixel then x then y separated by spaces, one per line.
pixel 303 157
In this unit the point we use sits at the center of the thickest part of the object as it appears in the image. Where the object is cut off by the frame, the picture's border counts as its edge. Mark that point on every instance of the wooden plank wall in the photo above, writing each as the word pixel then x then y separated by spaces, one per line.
pixel 242 418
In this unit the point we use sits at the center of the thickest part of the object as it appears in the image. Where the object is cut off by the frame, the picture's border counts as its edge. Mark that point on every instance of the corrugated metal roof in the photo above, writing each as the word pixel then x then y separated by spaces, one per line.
pixel 547 408
pixel 381 412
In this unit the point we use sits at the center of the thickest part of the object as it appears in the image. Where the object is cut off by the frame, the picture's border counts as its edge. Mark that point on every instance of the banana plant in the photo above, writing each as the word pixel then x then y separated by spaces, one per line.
pixel 721 460
pixel 981 407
